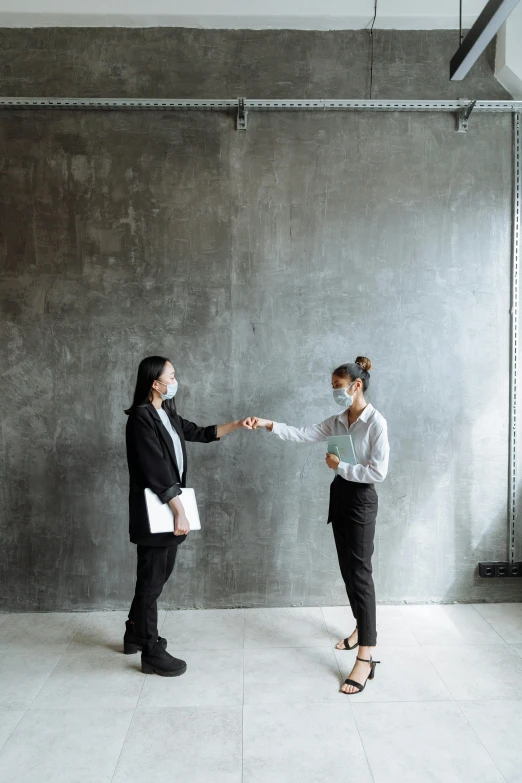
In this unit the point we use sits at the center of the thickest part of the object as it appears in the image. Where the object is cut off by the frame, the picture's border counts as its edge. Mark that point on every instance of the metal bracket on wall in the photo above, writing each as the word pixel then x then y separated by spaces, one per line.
pixel 515 304
pixel 463 117
pixel 243 106
pixel 241 115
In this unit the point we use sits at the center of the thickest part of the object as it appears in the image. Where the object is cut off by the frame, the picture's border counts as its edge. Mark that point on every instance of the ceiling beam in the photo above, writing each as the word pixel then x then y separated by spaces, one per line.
pixel 483 31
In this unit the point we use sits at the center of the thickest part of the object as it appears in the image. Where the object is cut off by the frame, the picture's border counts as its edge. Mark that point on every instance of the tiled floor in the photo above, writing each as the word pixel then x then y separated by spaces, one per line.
pixel 260 702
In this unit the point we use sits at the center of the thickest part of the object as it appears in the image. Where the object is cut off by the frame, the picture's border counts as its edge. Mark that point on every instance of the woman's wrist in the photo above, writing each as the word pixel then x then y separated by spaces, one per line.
pixel 176 506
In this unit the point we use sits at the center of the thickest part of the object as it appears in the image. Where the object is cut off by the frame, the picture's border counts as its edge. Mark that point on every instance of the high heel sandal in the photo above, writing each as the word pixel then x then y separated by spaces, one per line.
pixel 346 645
pixel 358 685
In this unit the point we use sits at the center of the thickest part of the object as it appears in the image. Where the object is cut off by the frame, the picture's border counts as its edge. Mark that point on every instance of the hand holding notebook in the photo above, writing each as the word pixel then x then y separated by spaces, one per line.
pixel 342 446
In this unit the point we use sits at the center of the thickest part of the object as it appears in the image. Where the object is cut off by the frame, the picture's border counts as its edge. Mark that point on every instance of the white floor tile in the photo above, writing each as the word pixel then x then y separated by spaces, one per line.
pixel 32 632
pixel 404 674
pixel 506 619
pixel 307 675
pixel 498 724
pixel 22 675
pixel 80 693
pixel 88 681
pixel 486 671
pixel 213 677
pixel 391 625
pixel 449 624
pixel 103 631
pixel 294 627
pixel 65 746
pixel 420 742
pixel 211 629
pixel 311 743
pixel 9 720
pixel 186 745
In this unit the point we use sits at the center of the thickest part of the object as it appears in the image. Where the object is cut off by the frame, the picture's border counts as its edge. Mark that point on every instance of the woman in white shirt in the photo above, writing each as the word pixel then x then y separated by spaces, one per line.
pixel 353 501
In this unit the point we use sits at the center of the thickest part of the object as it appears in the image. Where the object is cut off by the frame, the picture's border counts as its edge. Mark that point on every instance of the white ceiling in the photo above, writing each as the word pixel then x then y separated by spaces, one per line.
pixel 241 14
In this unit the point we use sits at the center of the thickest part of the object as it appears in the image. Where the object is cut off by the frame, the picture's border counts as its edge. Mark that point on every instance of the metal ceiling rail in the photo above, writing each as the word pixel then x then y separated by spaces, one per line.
pixel 242 106
pixel 251 104
pixel 117 103
pixel 382 105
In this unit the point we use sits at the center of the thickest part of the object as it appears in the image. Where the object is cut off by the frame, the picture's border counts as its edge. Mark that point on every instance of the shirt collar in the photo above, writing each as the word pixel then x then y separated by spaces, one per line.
pixel 365 415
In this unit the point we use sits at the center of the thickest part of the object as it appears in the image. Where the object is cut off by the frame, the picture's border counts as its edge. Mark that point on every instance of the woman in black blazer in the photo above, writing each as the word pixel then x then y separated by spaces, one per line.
pixel 157 459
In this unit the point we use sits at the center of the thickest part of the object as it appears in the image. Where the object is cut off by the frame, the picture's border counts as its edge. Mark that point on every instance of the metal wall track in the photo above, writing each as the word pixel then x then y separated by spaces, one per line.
pixel 515 304
pixel 164 104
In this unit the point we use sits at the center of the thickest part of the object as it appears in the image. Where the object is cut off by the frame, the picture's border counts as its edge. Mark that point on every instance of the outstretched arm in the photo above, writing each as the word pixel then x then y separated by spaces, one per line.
pixel 195 433
pixel 240 424
pixel 312 434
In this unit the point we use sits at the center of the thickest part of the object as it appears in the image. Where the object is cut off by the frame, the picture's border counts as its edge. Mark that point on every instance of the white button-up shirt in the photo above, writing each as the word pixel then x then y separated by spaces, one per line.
pixel 370 440
pixel 176 442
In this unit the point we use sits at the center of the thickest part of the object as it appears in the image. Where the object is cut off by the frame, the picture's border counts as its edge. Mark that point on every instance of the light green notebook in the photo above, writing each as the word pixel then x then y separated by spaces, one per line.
pixel 342 447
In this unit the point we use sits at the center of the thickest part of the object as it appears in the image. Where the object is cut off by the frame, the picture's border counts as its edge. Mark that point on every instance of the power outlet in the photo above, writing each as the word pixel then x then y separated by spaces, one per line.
pixel 499 569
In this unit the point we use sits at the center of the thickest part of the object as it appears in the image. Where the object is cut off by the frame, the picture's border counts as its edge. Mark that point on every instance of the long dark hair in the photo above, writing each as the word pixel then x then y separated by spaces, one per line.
pixel 149 371
pixel 360 368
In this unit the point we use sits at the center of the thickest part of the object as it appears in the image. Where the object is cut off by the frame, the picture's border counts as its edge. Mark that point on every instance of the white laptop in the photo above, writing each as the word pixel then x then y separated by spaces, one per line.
pixel 161 517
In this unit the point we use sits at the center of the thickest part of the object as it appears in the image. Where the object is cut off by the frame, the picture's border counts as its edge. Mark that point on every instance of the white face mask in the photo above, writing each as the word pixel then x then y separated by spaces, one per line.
pixel 171 390
pixel 342 398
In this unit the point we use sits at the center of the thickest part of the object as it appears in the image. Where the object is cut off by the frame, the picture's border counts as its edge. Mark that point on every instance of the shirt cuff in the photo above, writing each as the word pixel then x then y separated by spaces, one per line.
pixel 276 428
pixel 343 469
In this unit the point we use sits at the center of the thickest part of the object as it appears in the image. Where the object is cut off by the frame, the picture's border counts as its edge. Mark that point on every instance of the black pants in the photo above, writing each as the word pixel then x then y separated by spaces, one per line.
pixel 155 564
pixel 353 513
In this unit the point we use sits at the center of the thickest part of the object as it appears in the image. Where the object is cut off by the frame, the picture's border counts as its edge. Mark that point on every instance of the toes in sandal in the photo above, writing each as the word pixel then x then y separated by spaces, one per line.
pixel 358 685
pixel 346 645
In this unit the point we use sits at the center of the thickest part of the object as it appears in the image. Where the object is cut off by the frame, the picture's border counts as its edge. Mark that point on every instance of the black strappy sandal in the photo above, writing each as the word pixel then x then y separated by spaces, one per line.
pixel 346 645
pixel 371 675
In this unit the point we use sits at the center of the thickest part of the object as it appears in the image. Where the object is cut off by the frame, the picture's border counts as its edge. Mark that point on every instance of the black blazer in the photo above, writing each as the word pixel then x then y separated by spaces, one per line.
pixel 152 463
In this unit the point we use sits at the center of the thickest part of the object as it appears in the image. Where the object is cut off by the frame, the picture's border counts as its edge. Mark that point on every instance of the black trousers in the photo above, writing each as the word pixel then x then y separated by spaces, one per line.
pixel 155 564
pixel 353 514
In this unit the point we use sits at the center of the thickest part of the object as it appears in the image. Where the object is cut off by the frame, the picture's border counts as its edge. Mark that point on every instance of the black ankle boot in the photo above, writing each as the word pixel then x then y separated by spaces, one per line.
pixel 132 642
pixel 159 661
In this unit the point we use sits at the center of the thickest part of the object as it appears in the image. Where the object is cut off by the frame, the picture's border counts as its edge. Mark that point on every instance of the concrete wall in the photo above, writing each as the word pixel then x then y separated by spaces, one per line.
pixel 257 262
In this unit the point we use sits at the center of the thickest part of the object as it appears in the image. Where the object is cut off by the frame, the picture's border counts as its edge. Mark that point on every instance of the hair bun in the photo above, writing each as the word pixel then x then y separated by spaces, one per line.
pixel 364 363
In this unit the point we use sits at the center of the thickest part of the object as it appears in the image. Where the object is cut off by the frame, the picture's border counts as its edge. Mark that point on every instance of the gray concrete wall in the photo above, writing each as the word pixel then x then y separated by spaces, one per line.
pixel 257 262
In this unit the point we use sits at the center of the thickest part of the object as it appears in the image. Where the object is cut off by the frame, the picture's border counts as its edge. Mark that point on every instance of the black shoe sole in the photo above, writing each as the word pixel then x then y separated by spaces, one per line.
pixel 146 668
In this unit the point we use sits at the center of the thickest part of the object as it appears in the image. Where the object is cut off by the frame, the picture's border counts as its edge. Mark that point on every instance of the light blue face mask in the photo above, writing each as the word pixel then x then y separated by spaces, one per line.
pixel 171 390
pixel 342 398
